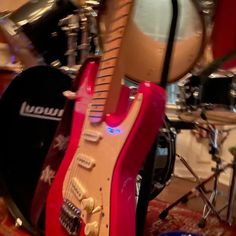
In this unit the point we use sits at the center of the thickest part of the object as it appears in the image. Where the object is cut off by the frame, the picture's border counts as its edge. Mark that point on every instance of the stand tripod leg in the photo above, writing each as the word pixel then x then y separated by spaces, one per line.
pixel 232 194
pixel 208 207
pixel 200 189
pixel 210 204
pixel 184 198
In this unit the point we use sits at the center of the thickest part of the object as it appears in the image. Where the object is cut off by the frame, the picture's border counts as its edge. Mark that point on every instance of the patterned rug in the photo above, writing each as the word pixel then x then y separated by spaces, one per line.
pixel 181 218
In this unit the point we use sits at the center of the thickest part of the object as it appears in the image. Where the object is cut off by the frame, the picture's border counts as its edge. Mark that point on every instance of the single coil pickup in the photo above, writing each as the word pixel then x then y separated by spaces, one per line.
pixel 77 189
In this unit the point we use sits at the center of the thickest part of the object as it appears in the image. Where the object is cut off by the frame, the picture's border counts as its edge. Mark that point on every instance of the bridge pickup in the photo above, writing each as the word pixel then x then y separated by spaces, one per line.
pixel 70 217
pixel 78 190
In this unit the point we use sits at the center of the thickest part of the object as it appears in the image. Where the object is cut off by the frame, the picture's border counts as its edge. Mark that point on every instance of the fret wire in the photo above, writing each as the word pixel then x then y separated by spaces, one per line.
pixel 112 49
pixel 101 91
pixel 90 116
pixel 120 17
pixel 108 59
pixel 117 28
pixel 103 80
pixel 103 76
pixel 99 98
pixel 100 84
pixel 105 73
pixel 111 53
pixel 112 45
pixel 107 68
pixel 96 111
pixel 112 40
pixel 125 4
pixel 97 105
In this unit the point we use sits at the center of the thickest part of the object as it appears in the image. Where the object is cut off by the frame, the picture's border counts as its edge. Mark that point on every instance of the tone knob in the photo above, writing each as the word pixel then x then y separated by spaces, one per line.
pixel 91 229
pixel 87 204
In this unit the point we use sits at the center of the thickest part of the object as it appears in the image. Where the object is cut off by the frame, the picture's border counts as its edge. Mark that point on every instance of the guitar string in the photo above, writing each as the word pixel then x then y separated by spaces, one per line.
pixel 74 166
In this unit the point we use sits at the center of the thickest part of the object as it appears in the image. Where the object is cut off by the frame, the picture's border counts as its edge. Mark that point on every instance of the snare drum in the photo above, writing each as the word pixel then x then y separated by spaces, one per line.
pixel 33 32
pixel 164 163
pixel 216 98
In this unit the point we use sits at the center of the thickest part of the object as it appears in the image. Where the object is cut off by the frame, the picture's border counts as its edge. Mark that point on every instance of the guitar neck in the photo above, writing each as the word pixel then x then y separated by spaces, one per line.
pixel 110 73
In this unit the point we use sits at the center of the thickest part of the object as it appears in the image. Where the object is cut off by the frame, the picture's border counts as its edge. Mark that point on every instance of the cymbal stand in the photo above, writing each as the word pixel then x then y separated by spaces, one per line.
pixel 199 189
pixel 71 26
pixel 232 191
pixel 214 151
pixel 84 21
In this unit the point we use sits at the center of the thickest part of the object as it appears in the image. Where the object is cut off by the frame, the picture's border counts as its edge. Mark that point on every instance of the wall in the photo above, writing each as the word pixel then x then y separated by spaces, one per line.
pixel 196 153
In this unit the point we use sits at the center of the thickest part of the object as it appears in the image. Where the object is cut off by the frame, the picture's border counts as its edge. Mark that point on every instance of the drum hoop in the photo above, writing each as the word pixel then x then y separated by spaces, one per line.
pixel 14 30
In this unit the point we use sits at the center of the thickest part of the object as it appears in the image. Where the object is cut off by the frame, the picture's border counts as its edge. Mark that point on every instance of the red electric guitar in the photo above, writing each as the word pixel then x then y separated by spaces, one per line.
pixel 93 192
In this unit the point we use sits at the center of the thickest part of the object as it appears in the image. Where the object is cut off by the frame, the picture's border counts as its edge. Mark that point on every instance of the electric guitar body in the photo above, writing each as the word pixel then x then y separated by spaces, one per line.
pixel 98 192
pixel 99 188
pixel 55 199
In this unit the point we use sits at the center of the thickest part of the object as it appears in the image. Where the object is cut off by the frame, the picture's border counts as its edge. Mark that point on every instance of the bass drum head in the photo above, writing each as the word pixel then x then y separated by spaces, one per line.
pixel 146 38
pixel 30 110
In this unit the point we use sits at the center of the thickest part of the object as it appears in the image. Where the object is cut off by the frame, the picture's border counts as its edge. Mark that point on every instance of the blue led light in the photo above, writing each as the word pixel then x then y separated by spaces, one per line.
pixel 113 130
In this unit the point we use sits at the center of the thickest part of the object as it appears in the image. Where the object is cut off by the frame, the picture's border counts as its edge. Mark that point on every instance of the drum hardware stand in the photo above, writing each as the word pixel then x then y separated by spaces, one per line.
pixel 70 25
pixel 87 16
pixel 232 192
pixel 143 199
pixel 233 95
pixel 84 46
pixel 200 190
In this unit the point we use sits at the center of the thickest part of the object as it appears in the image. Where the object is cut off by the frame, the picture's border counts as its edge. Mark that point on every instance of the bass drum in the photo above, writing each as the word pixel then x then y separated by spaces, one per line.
pixel 33 32
pixel 146 38
pixel 30 110
pixel 164 162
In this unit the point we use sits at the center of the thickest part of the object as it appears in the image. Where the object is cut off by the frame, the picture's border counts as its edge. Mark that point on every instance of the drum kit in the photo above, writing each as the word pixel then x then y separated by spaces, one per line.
pixel 63 33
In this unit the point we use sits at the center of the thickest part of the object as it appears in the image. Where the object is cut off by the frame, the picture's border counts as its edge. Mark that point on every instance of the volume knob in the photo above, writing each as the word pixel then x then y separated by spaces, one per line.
pixel 91 229
pixel 87 204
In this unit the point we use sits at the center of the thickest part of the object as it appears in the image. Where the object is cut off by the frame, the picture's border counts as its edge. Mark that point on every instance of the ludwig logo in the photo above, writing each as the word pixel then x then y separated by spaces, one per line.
pixel 47 113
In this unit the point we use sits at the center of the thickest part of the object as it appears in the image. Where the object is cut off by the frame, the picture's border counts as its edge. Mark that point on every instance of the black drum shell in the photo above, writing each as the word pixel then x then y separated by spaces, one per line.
pixel 215 91
pixel 25 138
pixel 38 21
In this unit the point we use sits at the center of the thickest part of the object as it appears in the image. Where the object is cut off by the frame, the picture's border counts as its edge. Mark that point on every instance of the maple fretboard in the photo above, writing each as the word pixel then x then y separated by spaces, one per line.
pixel 108 82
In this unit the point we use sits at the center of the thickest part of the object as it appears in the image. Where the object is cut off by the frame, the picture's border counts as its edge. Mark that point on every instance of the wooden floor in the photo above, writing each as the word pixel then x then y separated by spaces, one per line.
pixel 177 187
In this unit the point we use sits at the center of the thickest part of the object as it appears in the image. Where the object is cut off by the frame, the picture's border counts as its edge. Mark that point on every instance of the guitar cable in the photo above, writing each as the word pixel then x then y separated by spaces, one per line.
pixel 20 220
